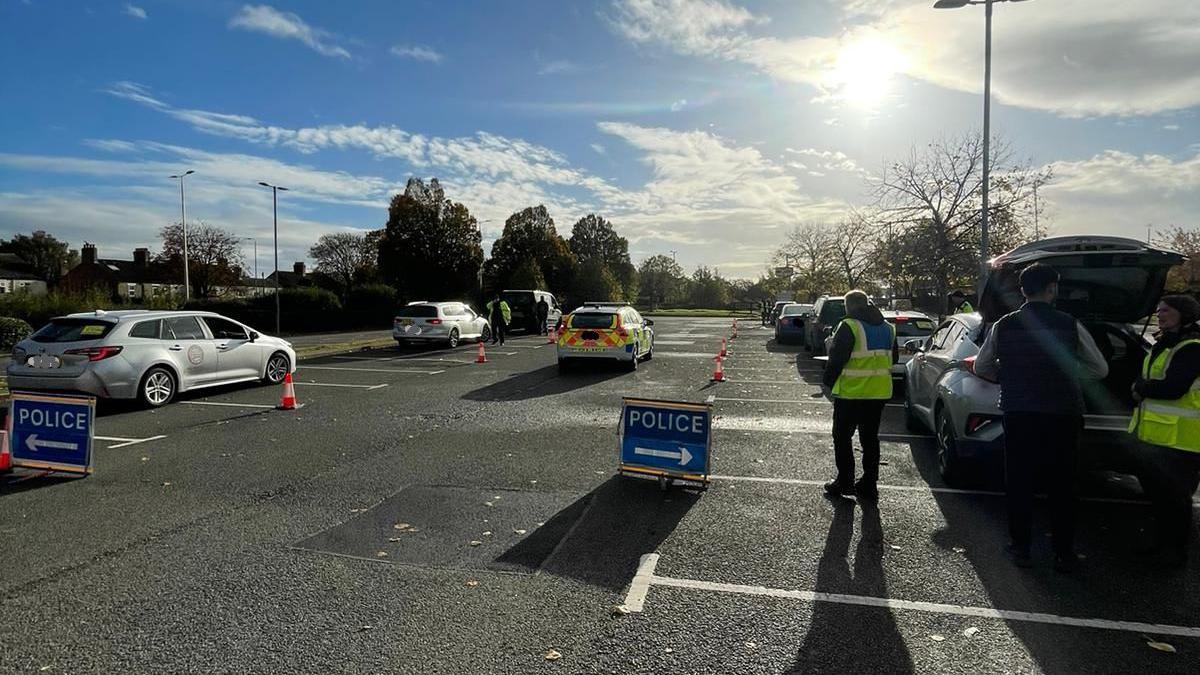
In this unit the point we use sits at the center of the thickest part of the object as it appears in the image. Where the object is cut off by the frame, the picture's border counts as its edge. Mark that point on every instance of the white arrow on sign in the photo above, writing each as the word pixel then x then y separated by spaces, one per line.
pixel 33 443
pixel 683 455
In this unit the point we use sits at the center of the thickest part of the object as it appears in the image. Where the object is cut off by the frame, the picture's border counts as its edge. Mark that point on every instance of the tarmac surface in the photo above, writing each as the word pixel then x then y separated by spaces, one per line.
pixel 425 514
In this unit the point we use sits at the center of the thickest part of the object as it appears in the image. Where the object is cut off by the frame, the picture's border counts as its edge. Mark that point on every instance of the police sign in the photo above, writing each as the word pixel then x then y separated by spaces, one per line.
pixel 666 439
pixel 51 432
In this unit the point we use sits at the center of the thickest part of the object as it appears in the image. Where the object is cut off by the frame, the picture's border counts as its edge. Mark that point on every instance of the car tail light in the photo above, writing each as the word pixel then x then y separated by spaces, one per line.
pixel 901 319
pixel 434 322
pixel 969 364
pixel 978 422
pixel 95 353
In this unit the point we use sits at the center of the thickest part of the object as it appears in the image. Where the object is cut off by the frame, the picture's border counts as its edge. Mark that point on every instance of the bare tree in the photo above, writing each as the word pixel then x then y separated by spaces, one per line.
pixel 1185 277
pixel 852 244
pixel 346 257
pixel 808 247
pixel 214 256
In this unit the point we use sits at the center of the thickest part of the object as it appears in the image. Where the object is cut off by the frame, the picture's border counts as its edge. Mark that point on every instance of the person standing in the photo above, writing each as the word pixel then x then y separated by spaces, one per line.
pixel 1167 422
pixel 543 312
pixel 960 303
pixel 1039 354
pixel 499 314
pixel 859 374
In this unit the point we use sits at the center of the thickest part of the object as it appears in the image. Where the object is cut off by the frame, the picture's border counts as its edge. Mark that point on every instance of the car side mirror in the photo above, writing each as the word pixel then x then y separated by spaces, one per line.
pixel 254 336
pixel 914 346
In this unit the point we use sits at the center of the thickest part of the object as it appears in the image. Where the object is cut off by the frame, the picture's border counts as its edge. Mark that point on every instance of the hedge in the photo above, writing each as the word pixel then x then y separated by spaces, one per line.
pixel 12 331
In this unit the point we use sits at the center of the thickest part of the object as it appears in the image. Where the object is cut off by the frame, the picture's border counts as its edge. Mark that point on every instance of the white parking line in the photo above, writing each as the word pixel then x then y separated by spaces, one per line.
pixel 126 441
pixel 793 425
pixel 397 358
pixel 346 386
pixel 817 401
pixel 674 342
pixel 224 404
pixel 687 355
pixel 374 370
pixel 895 604
pixel 761 382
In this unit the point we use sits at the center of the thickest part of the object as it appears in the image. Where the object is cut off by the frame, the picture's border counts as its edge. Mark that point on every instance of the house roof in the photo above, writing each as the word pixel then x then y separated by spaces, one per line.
pixel 17 275
pixel 128 271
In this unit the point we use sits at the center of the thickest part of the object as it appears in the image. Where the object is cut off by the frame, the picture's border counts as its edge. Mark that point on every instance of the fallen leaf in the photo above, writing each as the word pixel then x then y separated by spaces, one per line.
pixel 971 631
pixel 487 503
pixel 401 526
pixel 394 539
pixel 366 627
pixel 895 547
pixel 145 459
pixel 475 542
pixel 553 655
pixel 959 549
pixel 381 554
pixel 518 531
pixel 472 583
pixel 166 483
pixel 487 533
pixel 620 610
pixel 751 645
pixel 1161 646
pixel 937 638
pixel 540 524
pixel 669 650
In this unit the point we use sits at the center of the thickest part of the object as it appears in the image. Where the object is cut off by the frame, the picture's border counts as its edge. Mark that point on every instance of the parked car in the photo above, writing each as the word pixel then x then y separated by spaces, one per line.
pixel 773 315
pixel 1108 283
pixel 444 322
pixel 827 312
pixel 789 327
pixel 523 305
pixel 606 331
pixel 147 355
pixel 909 326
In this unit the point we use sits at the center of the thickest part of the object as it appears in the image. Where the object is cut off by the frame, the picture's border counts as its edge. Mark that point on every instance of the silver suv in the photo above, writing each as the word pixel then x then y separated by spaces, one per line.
pixel 444 322
pixel 147 355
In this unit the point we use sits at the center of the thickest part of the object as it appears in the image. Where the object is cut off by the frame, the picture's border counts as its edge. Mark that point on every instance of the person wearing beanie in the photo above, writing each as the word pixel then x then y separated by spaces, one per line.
pixel 1167 422
pixel 1039 355
pixel 958 300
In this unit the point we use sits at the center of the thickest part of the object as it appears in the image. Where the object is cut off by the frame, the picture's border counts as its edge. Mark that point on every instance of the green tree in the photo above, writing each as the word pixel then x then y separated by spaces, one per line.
pixel 1185 277
pixel 596 282
pixel 346 258
pixel 47 256
pixel 528 238
pixel 214 256
pixel 661 279
pixel 594 239
pixel 431 246
pixel 708 290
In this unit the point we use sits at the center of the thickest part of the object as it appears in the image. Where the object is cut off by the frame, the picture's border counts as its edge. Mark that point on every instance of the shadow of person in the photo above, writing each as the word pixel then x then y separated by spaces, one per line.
pixel 852 638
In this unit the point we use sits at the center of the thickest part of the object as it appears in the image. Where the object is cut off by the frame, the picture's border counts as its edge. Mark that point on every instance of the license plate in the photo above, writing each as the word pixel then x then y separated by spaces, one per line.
pixel 43 361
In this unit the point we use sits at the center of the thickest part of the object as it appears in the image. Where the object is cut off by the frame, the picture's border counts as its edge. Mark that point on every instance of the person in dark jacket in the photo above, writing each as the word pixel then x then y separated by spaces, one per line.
pixel 858 375
pixel 1039 354
pixel 543 312
pixel 1170 470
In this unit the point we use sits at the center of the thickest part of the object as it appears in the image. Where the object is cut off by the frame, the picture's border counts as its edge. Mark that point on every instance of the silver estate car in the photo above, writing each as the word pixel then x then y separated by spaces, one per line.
pixel 148 355
pixel 445 322
pixel 1108 283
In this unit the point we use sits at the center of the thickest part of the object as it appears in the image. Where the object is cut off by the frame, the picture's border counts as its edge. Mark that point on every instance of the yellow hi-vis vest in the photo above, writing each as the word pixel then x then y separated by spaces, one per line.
pixel 1173 423
pixel 868 373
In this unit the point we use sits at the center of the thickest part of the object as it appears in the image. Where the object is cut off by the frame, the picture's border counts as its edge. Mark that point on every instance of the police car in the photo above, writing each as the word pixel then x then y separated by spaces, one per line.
pixel 610 331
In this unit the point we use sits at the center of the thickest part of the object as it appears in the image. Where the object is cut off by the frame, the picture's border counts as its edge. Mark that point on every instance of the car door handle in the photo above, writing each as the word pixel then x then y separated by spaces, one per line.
pixel 223 347
pixel 175 348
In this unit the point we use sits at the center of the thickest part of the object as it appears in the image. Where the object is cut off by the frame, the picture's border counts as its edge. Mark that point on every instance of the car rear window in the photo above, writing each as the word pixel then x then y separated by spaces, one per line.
pixel 592 320
pixel 912 327
pixel 418 312
pixel 793 310
pixel 73 330
pixel 833 311
pixel 514 299
pixel 145 329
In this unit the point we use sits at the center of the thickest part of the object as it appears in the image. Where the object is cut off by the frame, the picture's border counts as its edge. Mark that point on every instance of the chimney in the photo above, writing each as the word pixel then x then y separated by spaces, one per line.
pixel 88 255
pixel 141 258
pixel 298 268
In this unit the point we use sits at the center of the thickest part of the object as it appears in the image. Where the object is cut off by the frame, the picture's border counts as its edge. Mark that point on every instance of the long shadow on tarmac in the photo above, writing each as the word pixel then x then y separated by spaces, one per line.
pixel 545 381
pixel 850 638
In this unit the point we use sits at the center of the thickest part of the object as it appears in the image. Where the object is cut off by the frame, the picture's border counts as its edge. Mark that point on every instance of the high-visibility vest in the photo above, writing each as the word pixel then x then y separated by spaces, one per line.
pixel 868 373
pixel 965 308
pixel 1171 423
pixel 505 311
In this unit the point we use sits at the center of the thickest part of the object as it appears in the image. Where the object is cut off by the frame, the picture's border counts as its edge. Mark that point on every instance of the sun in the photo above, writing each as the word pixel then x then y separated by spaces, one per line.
pixel 863 71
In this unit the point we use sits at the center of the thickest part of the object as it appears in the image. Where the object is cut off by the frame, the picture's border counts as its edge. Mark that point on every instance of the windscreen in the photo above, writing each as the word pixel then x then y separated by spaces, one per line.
pixel 73 330
pixel 833 311
pixel 912 327
pixel 517 299
pixel 794 310
pixel 418 312
pixel 592 320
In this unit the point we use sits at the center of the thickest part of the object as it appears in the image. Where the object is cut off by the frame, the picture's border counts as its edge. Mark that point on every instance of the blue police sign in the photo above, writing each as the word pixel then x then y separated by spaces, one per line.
pixel 666 439
pixel 51 432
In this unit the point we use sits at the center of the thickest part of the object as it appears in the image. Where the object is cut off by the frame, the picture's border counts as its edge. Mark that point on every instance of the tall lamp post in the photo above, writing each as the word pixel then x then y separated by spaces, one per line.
pixel 987 116
pixel 253 239
pixel 275 189
pixel 187 287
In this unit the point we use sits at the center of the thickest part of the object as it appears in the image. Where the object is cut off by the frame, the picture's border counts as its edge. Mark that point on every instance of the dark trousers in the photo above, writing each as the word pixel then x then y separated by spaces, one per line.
pixel 1169 478
pixel 498 330
pixel 1041 444
pixel 542 328
pixel 861 414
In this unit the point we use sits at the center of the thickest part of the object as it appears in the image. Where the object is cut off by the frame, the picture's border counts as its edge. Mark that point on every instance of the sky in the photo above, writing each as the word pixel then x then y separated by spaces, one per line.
pixel 703 129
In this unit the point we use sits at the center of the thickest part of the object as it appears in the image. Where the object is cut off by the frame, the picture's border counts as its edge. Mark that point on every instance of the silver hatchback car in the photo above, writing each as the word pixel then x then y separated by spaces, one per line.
pixel 148 355
pixel 444 322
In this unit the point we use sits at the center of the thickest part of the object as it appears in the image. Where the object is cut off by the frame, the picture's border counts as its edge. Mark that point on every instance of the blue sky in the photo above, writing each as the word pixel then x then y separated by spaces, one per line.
pixel 706 127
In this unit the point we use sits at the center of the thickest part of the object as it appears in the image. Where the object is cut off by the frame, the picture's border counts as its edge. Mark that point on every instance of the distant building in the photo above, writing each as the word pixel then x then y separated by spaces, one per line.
pixel 294 279
pixel 132 280
pixel 17 276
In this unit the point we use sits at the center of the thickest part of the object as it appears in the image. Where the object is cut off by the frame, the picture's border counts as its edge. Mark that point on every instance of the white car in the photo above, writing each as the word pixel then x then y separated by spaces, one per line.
pixel 445 322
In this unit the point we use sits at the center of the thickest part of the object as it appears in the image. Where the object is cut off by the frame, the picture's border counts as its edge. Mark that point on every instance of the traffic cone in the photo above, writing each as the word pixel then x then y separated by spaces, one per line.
pixel 5 455
pixel 719 373
pixel 289 394
pixel 734 329
pixel 552 335
pixel 723 352
pixel 482 358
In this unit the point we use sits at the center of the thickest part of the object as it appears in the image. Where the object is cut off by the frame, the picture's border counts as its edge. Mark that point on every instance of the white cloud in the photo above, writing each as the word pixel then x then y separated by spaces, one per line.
pixel 135 11
pixel 600 149
pixel 1171 127
pixel 828 160
pixel 1071 57
pixel 110 145
pixel 679 105
pixel 417 53
pixel 558 67
pixel 286 26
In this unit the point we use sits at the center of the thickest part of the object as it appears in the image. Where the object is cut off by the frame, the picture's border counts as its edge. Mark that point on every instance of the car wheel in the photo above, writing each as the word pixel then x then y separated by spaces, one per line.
pixel 157 387
pixel 650 354
pixel 452 341
pixel 486 335
pixel 633 363
pixel 949 463
pixel 277 368
pixel 910 416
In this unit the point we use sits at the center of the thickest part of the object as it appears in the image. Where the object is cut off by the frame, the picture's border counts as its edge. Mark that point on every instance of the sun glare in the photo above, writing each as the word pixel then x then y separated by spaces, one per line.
pixel 863 72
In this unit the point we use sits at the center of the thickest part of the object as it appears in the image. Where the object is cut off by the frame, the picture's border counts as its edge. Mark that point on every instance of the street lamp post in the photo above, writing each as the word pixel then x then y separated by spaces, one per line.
pixel 275 189
pixel 255 241
pixel 987 117
pixel 187 288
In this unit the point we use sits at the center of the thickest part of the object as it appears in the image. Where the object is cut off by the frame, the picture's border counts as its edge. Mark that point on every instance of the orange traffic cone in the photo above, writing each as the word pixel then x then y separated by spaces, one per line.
pixel 482 358
pixel 551 335
pixel 289 394
pixel 723 351
pixel 719 373
pixel 5 455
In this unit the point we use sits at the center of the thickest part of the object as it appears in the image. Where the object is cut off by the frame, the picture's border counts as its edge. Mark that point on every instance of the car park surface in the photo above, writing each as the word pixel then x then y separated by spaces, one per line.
pixel 221 535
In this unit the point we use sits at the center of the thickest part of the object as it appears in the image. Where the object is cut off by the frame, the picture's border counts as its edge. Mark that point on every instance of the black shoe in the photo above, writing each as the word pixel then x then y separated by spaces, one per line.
pixel 1065 563
pixel 866 490
pixel 1020 555
pixel 836 488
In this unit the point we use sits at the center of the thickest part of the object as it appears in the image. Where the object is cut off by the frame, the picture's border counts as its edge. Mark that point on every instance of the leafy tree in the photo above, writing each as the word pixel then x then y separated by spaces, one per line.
pixel 347 258
pixel 49 257
pixel 214 256
pixel 527 275
pixel 431 247
pixel 596 282
pixel 661 278
pixel 528 238
pixel 708 290
pixel 1185 277
pixel 594 239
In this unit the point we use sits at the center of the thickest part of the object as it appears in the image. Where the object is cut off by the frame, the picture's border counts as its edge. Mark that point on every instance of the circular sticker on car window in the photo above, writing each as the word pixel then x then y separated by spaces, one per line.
pixel 195 355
